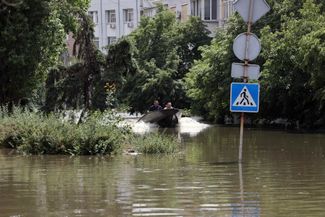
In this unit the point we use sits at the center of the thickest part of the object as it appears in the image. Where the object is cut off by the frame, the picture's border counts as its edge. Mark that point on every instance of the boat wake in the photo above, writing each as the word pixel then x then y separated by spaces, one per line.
pixel 191 126
pixel 187 125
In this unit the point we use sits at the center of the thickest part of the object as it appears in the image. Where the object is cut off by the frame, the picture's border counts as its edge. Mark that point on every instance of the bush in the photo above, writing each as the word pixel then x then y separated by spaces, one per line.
pixel 100 133
pixel 36 133
pixel 155 144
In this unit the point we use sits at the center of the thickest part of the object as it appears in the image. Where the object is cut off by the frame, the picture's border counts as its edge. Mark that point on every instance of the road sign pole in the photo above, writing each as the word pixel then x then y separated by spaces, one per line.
pixel 250 16
pixel 241 185
pixel 242 116
pixel 251 11
pixel 241 137
pixel 242 123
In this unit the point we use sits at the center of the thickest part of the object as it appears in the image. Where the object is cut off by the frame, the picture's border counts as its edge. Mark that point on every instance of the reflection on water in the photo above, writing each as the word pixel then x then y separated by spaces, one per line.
pixel 282 175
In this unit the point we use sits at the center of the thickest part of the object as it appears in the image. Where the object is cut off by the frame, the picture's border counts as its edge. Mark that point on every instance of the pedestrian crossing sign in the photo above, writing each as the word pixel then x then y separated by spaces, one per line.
pixel 244 97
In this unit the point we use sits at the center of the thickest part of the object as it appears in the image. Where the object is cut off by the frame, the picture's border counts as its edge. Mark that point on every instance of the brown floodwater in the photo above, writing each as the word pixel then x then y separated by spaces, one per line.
pixel 282 175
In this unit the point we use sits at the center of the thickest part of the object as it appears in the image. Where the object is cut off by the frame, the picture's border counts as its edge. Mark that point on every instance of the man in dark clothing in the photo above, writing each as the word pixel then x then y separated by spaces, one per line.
pixel 155 106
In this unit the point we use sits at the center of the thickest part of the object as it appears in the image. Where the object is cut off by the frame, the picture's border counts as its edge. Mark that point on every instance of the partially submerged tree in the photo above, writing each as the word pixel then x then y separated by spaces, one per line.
pixel 292 61
pixel 160 53
pixel 209 79
pixel 293 81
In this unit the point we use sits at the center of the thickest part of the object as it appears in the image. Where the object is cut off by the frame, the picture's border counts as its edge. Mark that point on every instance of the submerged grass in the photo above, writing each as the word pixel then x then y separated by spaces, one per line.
pixel 156 144
pixel 37 133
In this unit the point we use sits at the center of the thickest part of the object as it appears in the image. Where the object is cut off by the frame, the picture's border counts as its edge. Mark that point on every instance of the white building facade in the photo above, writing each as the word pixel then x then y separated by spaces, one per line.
pixel 116 18
pixel 113 19
pixel 214 13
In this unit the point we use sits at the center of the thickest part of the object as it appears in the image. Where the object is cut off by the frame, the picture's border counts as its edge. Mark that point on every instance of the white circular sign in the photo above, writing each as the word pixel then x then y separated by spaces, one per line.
pixel 247 46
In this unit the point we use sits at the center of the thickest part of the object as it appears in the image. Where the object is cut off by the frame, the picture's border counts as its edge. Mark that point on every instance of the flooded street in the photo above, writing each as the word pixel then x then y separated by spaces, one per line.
pixel 282 175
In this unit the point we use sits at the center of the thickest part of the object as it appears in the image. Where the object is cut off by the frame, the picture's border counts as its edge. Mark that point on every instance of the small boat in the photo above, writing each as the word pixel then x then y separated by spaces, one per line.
pixel 164 118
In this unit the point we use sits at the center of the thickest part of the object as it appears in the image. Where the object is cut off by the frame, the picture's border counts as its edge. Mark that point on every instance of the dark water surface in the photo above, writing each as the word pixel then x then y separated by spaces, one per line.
pixel 283 175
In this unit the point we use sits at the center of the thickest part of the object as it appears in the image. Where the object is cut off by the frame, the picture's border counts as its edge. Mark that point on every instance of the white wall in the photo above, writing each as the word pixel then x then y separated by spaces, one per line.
pixel 103 30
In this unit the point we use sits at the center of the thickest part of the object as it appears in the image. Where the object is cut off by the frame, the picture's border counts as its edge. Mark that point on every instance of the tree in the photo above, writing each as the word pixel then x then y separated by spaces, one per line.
pixel 121 67
pixel 189 37
pixel 68 87
pixel 162 50
pixel 87 52
pixel 293 77
pixel 292 61
pixel 32 37
pixel 209 79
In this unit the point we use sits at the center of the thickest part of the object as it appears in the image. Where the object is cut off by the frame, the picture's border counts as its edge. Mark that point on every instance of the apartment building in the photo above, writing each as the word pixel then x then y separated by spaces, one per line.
pixel 113 19
pixel 214 13
pixel 116 18
pixel 180 7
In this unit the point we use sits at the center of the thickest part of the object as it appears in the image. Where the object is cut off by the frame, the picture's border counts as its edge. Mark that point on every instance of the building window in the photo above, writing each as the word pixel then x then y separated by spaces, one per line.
pixel 111 16
pixel 228 8
pixel 128 15
pixel 94 16
pixel 214 9
pixel 148 12
pixel 207 9
pixel 111 40
pixel 96 42
pixel 210 9
pixel 196 8
pixel 184 13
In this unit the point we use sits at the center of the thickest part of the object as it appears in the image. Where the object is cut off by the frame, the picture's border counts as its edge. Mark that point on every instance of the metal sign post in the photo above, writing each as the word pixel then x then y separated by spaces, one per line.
pixel 246 48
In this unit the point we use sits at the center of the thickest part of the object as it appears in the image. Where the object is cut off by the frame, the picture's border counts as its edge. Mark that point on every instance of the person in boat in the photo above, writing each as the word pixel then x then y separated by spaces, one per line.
pixel 155 106
pixel 171 120
pixel 168 105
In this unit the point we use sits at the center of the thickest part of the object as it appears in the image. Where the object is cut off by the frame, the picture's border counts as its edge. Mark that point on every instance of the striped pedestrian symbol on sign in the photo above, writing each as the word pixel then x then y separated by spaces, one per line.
pixel 244 99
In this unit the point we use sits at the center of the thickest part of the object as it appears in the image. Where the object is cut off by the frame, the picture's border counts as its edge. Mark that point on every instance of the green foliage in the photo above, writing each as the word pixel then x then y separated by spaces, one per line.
pixel 32 35
pixel 33 133
pixel 293 75
pixel 80 85
pixel 87 52
pixel 100 133
pixel 153 60
pixel 155 144
pixel 189 37
pixel 148 64
pixel 64 88
pixel 120 69
pixel 209 79
pixel 292 60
